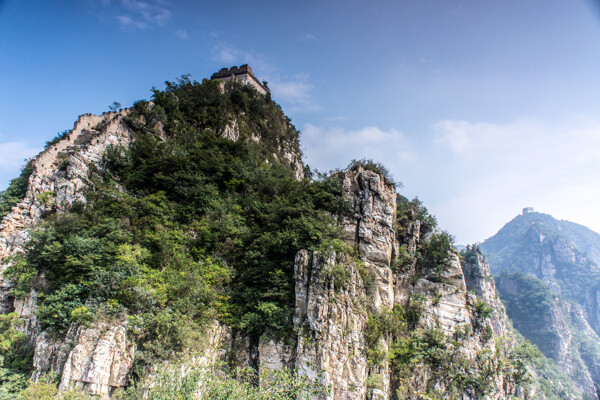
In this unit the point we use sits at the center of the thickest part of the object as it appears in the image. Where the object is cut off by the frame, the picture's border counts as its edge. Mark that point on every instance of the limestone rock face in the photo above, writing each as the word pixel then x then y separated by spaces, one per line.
pixel 330 322
pixel 51 353
pixel 479 279
pixel 329 343
pixel 371 228
pixel 101 360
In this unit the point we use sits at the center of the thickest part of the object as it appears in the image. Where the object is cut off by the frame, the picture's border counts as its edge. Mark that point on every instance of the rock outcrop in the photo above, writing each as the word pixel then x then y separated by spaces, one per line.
pixel 330 320
pixel 101 360
pixel 479 279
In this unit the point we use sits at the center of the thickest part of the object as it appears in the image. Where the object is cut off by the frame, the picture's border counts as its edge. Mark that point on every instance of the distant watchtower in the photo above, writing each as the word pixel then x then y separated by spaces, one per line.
pixel 527 210
pixel 242 74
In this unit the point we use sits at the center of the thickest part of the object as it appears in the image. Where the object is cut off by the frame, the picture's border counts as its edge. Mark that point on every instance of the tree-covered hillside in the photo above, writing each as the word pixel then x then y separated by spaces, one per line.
pixel 184 226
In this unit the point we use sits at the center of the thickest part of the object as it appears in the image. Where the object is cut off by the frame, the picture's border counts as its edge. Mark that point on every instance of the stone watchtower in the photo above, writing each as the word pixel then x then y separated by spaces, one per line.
pixel 527 210
pixel 242 74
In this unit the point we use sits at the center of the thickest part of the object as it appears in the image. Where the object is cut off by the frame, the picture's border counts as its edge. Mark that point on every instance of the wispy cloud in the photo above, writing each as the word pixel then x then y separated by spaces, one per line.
pixel 137 14
pixel 335 147
pixel 13 154
pixel 182 34
pixel 527 162
pixel 293 91
pixel 308 37
pixel 475 176
pixel 227 55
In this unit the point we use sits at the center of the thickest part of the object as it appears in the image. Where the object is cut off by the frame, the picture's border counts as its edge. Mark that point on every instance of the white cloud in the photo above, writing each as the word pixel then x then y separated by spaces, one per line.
pixel 496 169
pixel 293 91
pixel 13 154
pixel 309 37
pixel 137 14
pixel 334 147
pixel 226 55
pixel 476 176
pixel 182 34
pixel 125 20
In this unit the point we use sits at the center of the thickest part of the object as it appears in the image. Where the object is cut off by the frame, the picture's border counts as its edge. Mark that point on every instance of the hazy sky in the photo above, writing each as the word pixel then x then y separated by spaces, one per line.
pixel 479 107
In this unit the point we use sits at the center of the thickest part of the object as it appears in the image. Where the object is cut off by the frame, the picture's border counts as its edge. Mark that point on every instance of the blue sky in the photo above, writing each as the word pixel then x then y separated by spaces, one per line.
pixel 479 107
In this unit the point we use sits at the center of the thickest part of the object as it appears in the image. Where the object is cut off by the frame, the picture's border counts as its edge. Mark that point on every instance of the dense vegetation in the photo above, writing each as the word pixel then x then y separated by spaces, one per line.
pixel 548 379
pixel 432 253
pixel 185 226
pixel 185 380
pixel 15 191
pixel 415 350
pixel 529 304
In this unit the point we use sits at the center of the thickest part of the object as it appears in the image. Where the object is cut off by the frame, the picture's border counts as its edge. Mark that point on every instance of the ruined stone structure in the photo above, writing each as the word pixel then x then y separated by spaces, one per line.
pixel 242 74
pixel 527 210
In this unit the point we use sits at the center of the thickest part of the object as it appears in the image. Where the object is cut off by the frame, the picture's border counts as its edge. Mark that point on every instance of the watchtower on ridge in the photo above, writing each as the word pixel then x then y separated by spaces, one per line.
pixel 242 74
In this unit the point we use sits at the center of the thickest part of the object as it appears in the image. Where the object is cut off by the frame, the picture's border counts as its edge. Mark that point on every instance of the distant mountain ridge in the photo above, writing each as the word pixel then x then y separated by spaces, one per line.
pixel 548 278
pixel 584 239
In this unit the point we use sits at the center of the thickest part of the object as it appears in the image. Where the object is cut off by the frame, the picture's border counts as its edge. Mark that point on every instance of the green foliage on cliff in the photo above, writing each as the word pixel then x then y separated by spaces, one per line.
pixel 414 349
pixel 15 356
pixel 185 226
pixel 377 167
pixel 470 254
pixel 410 211
pixel 187 379
pixel 529 304
pixel 15 191
pixel 436 253
pixel 416 228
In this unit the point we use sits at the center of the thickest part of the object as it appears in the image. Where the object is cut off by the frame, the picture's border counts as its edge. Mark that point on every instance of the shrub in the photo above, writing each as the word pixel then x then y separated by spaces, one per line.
pixel 402 260
pixel 59 136
pixel 340 276
pixel 374 166
pixel 45 197
pixel 81 315
pixel 437 252
pixel 482 310
pixel 186 380
pixel 16 190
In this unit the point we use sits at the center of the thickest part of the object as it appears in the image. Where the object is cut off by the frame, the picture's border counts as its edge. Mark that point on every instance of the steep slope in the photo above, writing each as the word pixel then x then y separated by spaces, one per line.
pixel 183 226
pixel 549 285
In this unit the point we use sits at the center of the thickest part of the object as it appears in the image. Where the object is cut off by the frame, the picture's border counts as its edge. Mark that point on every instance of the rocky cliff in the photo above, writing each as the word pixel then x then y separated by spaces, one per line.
pixel 386 309
pixel 98 358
